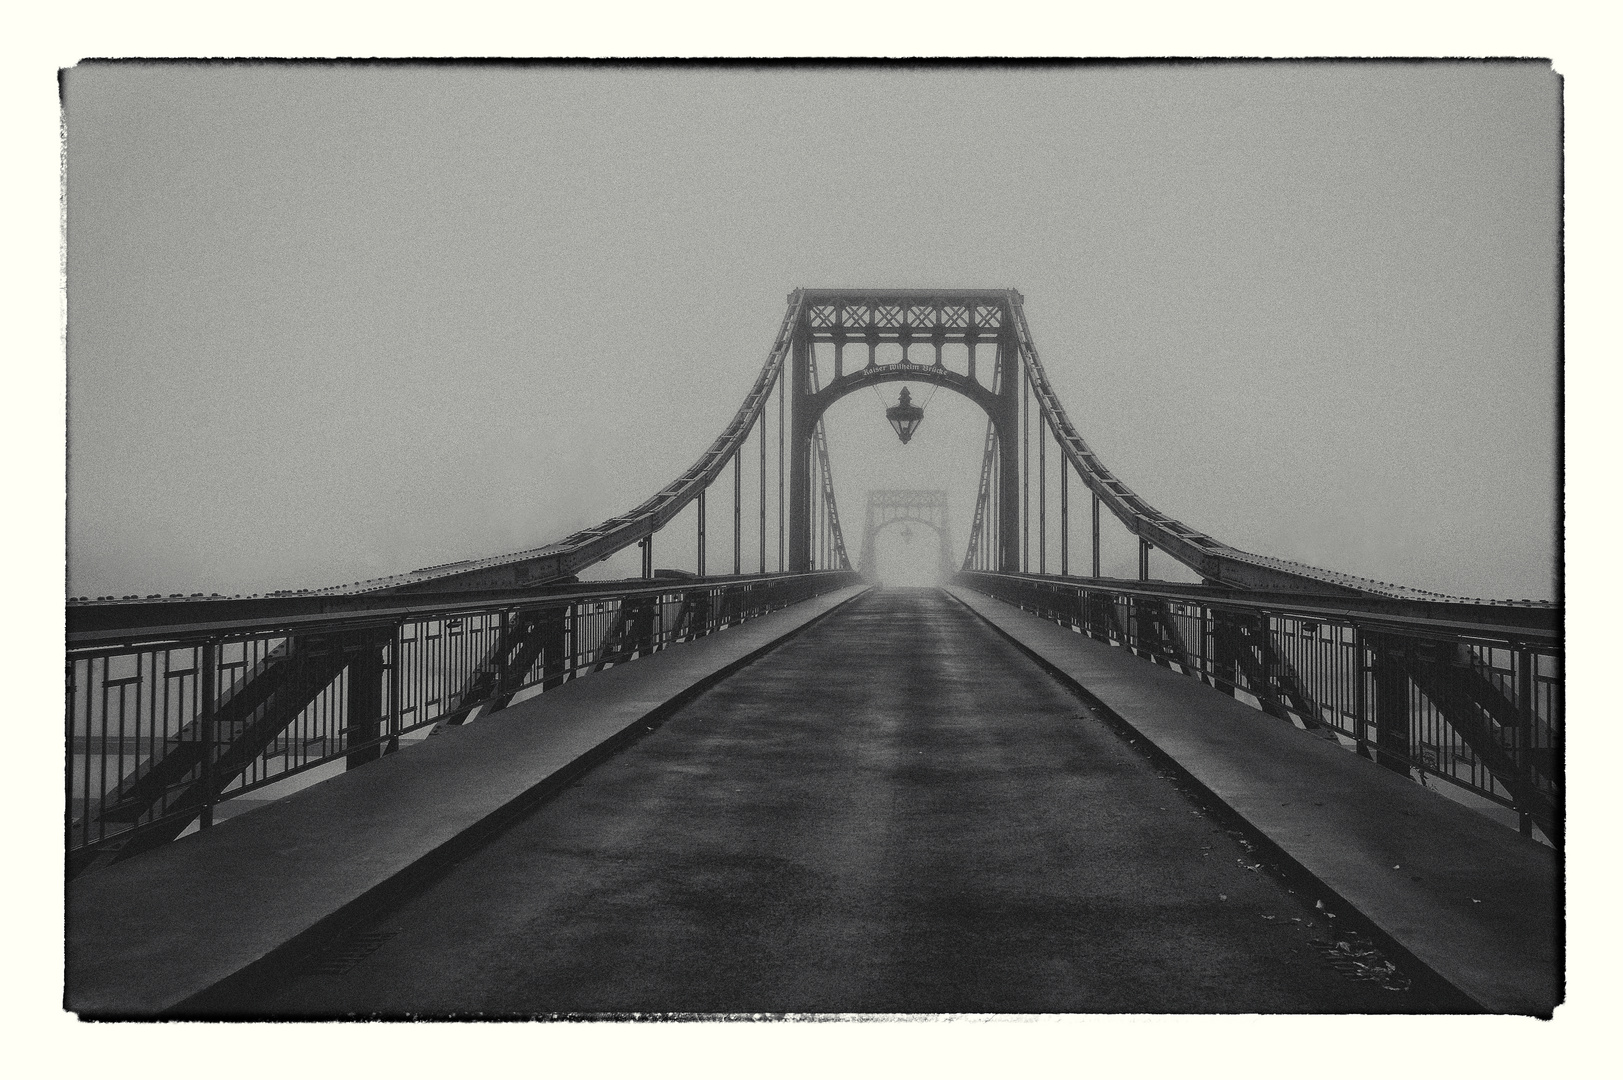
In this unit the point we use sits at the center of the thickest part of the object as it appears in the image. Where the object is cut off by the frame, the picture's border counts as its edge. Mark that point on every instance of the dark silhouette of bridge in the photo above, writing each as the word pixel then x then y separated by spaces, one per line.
pixel 1019 864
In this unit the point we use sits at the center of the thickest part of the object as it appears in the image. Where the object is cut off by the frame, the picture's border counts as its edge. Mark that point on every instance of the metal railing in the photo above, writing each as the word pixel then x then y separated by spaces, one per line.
pixel 166 721
pixel 1469 694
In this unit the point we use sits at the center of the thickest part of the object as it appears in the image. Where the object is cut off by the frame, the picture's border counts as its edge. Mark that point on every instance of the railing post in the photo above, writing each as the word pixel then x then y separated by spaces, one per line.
pixel 1226 646
pixel 1203 656
pixel 395 675
pixel 504 645
pixel 568 641
pixel 363 702
pixel 1361 671
pixel 206 692
pixel 1391 704
pixel 1525 667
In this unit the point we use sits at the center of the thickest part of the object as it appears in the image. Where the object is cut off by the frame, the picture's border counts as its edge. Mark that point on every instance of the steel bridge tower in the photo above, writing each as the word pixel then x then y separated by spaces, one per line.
pixel 911 318
pixel 886 508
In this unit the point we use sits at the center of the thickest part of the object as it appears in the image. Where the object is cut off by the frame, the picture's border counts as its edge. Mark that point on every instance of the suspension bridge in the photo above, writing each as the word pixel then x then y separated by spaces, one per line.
pixel 781 786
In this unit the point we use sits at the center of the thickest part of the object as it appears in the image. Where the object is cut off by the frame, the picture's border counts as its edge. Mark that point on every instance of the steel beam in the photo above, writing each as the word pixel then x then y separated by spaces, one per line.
pixel 1010 381
pixel 738 513
pixel 1064 519
pixel 1025 475
pixel 1096 536
pixel 781 399
pixel 1042 498
pixel 802 420
pixel 761 508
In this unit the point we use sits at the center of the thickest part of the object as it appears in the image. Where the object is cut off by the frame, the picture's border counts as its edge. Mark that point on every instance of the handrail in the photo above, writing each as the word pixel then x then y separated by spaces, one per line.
pixel 1488 715
pixel 1531 623
pixel 88 627
pixel 165 721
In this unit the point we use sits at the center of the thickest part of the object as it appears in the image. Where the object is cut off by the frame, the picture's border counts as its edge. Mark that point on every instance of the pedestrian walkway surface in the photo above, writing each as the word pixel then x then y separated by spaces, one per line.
pixel 149 933
pixel 895 811
pixel 1472 900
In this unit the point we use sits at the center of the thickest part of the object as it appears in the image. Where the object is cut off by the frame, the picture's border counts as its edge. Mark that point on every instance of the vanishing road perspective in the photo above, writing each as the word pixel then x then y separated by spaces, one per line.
pixel 770 781
pixel 897 811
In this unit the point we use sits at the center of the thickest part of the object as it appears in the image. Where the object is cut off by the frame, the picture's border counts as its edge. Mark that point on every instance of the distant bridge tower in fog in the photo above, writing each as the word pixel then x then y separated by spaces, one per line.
pixel 886 508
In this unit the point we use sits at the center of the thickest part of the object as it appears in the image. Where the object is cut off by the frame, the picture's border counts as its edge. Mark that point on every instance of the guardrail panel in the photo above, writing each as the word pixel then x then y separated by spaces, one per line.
pixel 144 759
pixel 1473 705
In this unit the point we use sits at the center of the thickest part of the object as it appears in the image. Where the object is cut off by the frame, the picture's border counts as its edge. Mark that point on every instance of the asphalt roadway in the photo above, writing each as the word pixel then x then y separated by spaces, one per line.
pixel 894 811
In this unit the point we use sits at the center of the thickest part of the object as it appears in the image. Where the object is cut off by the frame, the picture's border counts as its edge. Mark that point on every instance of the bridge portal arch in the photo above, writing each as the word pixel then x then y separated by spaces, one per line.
pixel 911 318
pixel 895 506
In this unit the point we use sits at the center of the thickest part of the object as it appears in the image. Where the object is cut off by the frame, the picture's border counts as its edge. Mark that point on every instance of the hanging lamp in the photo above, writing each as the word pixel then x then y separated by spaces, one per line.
pixel 905 416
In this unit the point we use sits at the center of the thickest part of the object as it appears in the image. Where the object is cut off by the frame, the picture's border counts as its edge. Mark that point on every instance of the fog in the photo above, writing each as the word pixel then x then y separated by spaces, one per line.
pixel 332 322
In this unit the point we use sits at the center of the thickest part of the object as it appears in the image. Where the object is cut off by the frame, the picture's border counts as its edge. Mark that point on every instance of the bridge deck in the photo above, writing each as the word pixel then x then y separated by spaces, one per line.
pixel 898 811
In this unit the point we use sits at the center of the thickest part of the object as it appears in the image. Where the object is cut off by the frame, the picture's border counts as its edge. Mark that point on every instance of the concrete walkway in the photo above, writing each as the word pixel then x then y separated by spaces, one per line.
pixel 147 934
pixel 1473 900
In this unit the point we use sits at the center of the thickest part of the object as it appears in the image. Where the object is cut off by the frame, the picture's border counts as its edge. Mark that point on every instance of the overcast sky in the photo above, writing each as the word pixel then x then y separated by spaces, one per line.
pixel 327 323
